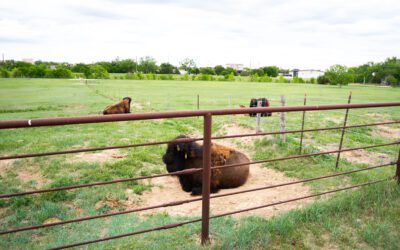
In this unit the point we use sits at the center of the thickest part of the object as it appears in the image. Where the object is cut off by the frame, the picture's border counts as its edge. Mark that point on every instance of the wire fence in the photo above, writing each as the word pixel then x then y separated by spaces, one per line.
pixel 207 166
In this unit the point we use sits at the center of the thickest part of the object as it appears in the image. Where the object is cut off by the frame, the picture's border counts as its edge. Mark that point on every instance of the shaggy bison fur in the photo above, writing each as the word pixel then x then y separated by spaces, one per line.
pixel 122 107
pixel 186 155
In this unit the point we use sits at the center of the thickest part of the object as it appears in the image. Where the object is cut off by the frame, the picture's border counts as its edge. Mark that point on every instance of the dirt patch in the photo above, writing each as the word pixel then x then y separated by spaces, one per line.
pixel 377 115
pixel 167 189
pixel 334 120
pixel 102 156
pixel 366 157
pixel 51 220
pixel 136 105
pixel 32 174
pixel 237 129
pixel 385 131
pixel 360 156
pixel 5 166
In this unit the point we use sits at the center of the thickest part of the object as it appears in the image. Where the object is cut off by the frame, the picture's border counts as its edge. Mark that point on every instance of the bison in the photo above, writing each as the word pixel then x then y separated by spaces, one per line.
pixel 185 155
pixel 122 107
pixel 264 103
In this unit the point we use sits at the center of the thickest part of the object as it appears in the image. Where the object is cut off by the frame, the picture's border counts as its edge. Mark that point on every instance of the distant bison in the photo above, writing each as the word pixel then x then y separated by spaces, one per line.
pixel 264 103
pixel 122 107
pixel 185 155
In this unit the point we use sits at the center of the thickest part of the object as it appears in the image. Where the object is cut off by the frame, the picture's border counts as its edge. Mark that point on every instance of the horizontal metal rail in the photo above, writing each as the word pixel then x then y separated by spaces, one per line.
pixel 182 172
pixel 304 155
pixel 179 114
pixel 180 202
pixel 173 225
pixel 187 171
pixel 186 140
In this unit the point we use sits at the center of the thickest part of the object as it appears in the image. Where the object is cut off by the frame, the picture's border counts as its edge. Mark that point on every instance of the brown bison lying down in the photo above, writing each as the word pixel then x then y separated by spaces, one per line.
pixel 185 155
pixel 122 107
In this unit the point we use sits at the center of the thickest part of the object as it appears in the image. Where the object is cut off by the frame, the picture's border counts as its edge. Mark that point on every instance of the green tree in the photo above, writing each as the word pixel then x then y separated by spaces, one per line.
pixel 219 69
pixel 322 80
pixel 271 71
pixel 97 71
pixel 147 65
pixel 207 71
pixel 166 68
pixel 187 64
pixel 339 75
pixel 4 73
pixel 61 72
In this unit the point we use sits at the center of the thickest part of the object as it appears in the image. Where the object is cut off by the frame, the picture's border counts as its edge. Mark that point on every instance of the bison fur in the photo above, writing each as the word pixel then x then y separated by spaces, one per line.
pixel 186 155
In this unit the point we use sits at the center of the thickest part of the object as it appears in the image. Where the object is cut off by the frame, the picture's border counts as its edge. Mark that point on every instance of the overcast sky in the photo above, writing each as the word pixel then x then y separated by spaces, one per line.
pixel 287 33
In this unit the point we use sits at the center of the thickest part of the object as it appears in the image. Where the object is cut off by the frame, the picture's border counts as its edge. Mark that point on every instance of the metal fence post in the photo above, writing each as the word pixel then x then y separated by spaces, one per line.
pixel 282 120
pixel 398 168
pixel 258 120
pixel 205 215
pixel 302 125
pixel 343 130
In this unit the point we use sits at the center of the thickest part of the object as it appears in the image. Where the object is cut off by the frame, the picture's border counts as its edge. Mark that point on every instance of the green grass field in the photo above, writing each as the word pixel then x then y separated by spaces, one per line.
pixel 365 218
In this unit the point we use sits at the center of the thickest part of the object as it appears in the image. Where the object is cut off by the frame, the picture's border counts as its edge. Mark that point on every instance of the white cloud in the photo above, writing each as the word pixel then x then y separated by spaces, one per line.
pixel 301 34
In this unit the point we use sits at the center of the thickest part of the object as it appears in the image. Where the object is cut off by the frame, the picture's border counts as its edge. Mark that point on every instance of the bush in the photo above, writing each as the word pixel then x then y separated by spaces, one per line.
pixel 16 72
pixel 322 80
pixel 165 77
pixel 4 73
pixel 297 79
pixel 254 78
pixel 230 77
pixel 185 77
pixel 265 79
pixel 392 81
pixel 204 77
pixel 312 80
pixel 97 71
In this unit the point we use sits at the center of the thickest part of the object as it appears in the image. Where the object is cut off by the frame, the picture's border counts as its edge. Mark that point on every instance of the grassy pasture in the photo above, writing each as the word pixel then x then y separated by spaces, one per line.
pixel 367 218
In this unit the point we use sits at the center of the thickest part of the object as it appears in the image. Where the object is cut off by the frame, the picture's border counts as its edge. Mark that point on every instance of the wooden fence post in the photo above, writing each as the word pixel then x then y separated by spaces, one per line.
pixel 282 120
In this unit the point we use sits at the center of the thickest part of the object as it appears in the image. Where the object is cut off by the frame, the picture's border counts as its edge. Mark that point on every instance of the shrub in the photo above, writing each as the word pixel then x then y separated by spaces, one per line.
pixel 4 73
pixel 265 78
pixel 322 80
pixel 230 77
pixel 392 81
pixel 165 77
pixel 254 78
pixel 16 72
pixel 297 79
pixel 185 77
pixel 204 77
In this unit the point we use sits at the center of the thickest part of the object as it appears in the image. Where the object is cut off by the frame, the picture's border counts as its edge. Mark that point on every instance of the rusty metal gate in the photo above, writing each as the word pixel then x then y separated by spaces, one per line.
pixel 207 137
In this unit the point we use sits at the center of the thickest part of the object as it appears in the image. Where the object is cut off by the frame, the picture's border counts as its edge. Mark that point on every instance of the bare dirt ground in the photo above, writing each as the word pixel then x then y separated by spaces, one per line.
pixel 167 189
pixel 360 156
pixel 101 156
pixel 386 131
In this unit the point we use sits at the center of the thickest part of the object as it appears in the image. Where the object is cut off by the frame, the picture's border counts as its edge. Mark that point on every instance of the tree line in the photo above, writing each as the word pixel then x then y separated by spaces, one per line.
pixel 387 72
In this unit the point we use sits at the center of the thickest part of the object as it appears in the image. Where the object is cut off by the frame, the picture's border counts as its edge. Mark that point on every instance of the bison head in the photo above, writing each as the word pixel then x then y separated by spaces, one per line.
pixel 178 152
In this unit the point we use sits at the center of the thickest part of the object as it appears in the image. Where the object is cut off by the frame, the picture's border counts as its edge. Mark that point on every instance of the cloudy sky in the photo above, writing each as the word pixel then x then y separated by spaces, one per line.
pixel 288 33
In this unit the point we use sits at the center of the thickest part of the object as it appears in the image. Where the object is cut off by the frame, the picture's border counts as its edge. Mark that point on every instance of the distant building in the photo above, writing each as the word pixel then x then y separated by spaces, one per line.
pixel 236 66
pixel 306 73
pixel 28 60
